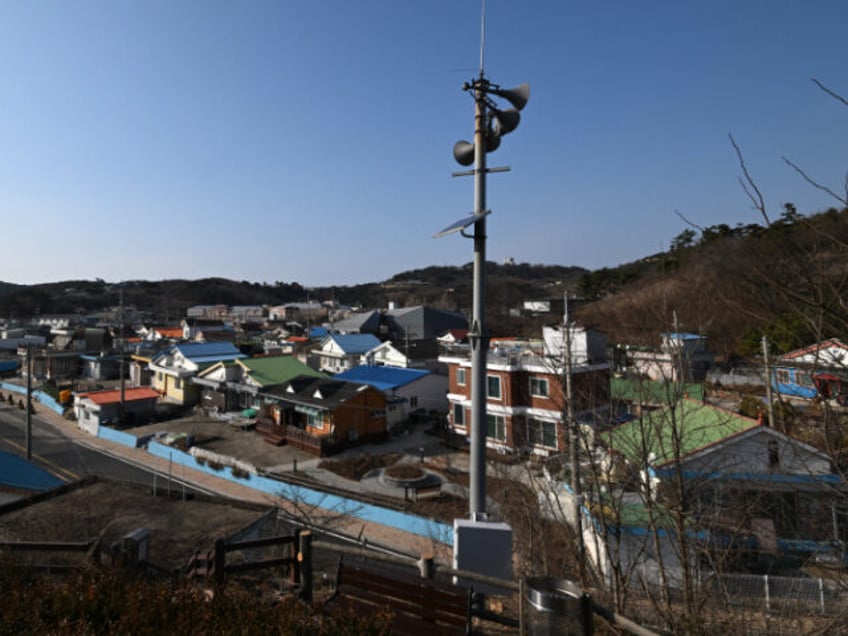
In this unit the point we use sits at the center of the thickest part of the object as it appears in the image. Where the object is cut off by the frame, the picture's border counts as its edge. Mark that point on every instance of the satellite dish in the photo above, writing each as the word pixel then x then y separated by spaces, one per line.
pixel 463 152
pixel 517 96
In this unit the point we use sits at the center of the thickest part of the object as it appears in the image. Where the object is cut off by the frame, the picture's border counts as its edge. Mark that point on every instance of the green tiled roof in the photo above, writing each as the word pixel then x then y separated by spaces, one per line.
pixel 653 392
pixel 696 425
pixel 277 369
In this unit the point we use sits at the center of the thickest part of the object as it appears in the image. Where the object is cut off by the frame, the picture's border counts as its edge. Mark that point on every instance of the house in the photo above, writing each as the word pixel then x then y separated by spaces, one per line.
pixel 682 357
pixel 817 371
pixel 155 334
pixel 525 392
pixel 385 354
pixel 94 409
pixel 100 367
pixel 406 389
pixel 207 329
pixel 340 352
pixel 746 490
pixel 234 385
pixel 321 415
pixel 172 369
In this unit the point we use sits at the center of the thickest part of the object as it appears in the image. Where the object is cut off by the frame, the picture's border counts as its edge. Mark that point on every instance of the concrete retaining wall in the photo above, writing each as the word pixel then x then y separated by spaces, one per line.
pixel 440 532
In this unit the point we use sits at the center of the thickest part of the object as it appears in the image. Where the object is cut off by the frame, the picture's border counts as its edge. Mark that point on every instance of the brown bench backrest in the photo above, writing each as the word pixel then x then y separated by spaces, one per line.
pixel 418 606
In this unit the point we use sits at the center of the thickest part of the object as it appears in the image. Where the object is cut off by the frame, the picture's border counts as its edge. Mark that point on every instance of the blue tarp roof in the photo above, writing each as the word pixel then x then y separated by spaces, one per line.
pixel 382 378
pixel 16 472
pixel 9 365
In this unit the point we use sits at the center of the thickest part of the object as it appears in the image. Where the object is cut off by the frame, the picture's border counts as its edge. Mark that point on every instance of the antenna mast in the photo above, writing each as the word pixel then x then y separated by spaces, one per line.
pixel 482 34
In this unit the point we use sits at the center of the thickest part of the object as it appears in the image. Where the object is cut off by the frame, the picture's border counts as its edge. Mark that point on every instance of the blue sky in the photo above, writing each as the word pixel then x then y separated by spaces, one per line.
pixel 311 141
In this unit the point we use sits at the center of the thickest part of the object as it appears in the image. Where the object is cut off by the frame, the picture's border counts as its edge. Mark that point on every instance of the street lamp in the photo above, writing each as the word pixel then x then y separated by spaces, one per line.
pixel 490 124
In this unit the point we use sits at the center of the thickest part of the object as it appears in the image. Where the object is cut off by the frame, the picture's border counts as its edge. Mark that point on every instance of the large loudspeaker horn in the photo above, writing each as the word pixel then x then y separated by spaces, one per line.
pixel 463 152
pixel 493 140
pixel 517 96
pixel 505 121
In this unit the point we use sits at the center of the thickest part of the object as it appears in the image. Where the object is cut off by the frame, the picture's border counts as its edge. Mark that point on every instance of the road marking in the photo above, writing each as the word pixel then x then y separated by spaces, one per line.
pixel 57 470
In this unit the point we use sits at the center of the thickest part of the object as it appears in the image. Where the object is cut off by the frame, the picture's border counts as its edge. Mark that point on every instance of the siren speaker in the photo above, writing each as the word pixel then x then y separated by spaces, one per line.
pixel 463 152
pixel 517 96
pixel 505 121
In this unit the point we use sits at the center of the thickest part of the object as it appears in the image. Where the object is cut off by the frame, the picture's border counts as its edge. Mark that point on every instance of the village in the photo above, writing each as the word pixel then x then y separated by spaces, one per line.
pixel 691 480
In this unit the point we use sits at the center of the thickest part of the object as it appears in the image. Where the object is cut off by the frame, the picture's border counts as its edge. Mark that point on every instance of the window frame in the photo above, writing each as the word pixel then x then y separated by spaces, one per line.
pixel 461 378
pixel 540 382
pixel 489 395
pixel 493 422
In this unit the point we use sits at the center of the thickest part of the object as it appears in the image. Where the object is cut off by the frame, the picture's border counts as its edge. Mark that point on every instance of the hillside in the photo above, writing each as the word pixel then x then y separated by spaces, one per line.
pixel 788 281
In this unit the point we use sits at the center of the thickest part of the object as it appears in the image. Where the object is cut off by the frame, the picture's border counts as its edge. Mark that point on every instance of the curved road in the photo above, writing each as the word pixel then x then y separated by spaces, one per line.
pixel 65 458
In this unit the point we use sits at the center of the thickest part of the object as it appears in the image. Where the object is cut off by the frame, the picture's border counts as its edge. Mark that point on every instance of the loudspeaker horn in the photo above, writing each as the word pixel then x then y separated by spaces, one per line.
pixel 493 140
pixel 463 152
pixel 517 96
pixel 505 121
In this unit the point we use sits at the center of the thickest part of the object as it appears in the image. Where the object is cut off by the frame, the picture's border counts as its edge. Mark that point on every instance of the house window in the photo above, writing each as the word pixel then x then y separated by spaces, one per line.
pixel 496 427
pixel 782 376
pixel 159 376
pixel 540 433
pixel 315 420
pixel 538 387
pixel 413 401
pixel 458 415
pixel 493 387
pixel 178 383
pixel 460 377
pixel 802 378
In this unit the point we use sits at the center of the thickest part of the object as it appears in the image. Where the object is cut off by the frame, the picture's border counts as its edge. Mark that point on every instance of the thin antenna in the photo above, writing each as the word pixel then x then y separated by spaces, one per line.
pixel 482 33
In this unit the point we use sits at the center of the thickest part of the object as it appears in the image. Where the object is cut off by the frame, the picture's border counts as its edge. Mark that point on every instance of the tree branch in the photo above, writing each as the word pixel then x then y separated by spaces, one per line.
pixel 816 184
pixel 835 96
pixel 748 184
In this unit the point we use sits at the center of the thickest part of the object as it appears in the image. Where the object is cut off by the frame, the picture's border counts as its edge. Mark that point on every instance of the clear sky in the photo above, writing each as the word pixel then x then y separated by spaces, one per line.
pixel 311 141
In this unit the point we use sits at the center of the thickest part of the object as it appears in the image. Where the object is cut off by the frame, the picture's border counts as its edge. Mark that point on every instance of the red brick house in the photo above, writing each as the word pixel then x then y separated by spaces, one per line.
pixel 525 392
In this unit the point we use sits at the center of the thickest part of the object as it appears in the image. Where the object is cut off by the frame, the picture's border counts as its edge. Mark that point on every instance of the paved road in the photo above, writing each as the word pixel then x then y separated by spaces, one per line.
pixel 63 457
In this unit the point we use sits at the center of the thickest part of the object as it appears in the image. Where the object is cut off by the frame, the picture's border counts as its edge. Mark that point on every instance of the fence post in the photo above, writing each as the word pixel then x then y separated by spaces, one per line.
pixel 220 561
pixel 821 594
pixel 304 557
pixel 426 566
pixel 768 600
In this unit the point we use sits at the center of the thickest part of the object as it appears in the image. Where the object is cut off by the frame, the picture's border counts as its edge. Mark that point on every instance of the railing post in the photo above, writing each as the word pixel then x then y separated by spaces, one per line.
pixel 304 557
pixel 768 600
pixel 821 595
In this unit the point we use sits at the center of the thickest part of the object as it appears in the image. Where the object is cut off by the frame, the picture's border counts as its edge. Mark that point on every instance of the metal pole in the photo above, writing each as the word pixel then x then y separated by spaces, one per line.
pixel 478 336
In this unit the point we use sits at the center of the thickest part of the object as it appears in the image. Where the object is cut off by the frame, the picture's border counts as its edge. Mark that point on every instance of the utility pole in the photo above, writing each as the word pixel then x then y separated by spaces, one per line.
pixel 769 401
pixel 122 405
pixel 29 401
pixel 573 444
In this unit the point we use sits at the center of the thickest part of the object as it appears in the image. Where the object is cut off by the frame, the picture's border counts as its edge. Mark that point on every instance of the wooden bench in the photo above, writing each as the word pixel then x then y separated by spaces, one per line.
pixel 418 606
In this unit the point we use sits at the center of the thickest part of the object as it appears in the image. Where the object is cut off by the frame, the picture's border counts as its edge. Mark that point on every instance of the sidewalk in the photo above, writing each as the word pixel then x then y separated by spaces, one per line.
pixel 365 531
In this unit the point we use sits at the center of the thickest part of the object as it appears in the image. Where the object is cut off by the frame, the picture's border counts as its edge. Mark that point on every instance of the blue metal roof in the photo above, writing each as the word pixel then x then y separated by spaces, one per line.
pixel 16 472
pixel 382 378
pixel 198 351
pixel 9 365
pixel 318 332
pixel 356 342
